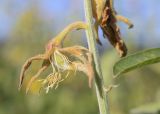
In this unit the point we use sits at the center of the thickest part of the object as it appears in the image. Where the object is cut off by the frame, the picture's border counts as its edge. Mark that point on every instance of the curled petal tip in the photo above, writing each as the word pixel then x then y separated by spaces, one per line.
pixel 131 26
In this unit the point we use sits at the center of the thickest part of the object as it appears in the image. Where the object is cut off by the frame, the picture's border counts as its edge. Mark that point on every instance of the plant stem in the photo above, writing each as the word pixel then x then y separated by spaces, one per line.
pixel 90 32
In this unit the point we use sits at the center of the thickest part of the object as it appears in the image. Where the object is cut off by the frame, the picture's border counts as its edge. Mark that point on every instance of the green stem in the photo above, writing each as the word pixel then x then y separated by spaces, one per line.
pixel 90 32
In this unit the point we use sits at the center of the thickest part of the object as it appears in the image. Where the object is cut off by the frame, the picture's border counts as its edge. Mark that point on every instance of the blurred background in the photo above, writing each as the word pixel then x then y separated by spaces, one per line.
pixel 27 25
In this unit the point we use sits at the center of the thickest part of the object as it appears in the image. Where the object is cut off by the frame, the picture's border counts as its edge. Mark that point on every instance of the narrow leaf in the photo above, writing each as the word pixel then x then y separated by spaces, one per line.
pixel 137 60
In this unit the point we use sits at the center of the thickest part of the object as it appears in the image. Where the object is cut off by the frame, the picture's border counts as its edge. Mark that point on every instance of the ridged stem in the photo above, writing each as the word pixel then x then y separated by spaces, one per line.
pixel 91 38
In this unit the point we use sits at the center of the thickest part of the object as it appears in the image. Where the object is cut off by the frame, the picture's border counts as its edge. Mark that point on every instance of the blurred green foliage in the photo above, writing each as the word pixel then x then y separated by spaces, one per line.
pixel 135 88
pixel 73 96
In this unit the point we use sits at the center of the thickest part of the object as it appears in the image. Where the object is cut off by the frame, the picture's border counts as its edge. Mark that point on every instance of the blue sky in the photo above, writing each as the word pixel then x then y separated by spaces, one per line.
pixel 143 13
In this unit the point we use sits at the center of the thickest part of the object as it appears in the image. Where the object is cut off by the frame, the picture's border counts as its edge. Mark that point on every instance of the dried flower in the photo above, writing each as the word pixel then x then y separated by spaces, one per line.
pixel 107 19
pixel 75 58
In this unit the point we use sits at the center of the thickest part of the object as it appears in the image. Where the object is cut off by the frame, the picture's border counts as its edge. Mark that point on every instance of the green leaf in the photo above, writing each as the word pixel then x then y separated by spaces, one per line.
pixel 150 108
pixel 137 60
